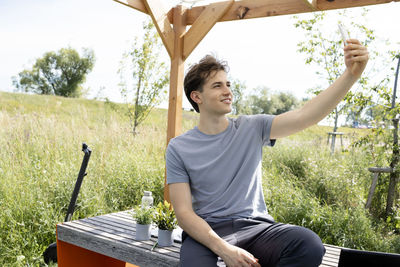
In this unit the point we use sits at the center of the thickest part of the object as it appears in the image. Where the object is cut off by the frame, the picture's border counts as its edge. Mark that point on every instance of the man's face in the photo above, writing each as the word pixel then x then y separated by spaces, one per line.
pixel 216 97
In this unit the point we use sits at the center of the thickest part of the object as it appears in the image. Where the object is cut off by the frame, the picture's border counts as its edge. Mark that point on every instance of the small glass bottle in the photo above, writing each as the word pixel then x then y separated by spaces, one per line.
pixel 147 199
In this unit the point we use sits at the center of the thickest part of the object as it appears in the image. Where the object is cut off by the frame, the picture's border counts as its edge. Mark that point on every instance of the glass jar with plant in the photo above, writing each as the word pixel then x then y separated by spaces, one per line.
pixel 164 218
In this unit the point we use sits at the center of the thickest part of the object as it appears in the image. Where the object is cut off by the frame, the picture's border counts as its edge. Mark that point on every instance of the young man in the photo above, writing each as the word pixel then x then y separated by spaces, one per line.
pixel 214 173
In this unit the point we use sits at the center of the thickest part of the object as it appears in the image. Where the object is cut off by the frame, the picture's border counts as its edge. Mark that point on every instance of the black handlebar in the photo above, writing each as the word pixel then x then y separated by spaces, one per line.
pixel 82 173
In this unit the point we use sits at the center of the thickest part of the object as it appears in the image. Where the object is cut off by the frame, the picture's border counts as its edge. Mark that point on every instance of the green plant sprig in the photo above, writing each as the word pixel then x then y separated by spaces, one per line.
pixel 164 216
pixel 143 215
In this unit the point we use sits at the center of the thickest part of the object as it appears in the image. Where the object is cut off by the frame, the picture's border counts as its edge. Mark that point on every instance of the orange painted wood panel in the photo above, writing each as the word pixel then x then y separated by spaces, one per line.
pixel 69 255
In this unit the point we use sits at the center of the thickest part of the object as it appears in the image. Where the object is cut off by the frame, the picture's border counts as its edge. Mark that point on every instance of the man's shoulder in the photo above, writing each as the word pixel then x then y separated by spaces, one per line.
pixel 182 139
pixel 254 118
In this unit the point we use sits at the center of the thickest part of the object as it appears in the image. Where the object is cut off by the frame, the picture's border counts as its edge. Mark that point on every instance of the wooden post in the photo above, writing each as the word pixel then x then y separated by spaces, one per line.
pixel 372 190
pixel 174 127
pixel 376 171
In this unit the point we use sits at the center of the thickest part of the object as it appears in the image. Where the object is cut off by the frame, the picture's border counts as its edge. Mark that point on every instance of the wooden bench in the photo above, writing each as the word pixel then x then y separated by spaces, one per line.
pixel 108 240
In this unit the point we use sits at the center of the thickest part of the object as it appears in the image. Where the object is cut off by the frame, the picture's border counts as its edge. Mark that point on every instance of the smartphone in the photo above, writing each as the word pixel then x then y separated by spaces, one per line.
pixel 344 33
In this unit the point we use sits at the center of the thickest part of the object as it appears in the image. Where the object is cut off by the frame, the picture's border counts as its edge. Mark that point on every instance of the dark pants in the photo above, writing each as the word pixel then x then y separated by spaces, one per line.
pixel 273 244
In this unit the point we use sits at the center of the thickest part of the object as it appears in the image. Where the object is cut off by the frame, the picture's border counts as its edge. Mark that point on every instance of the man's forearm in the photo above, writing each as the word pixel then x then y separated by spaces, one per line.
pixel 199 230
pixel 356 58
pixel 314 110
pixel 320 106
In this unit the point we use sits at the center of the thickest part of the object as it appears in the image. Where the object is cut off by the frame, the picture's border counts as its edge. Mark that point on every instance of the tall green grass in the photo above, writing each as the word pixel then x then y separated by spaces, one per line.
pixel 40 156
pixel 307 186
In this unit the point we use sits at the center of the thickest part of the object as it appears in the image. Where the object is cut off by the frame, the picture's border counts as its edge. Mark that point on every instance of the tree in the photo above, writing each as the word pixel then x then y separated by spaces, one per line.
pixel 262 100
pixel 149 75
pixel 57 73
pixel 323 48
pixel 237 88
pixel 395 157
pixel 283 102
pixel 382 145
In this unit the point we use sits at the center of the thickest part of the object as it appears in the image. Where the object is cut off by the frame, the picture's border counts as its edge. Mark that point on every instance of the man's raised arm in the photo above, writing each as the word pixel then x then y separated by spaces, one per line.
pixel 356 58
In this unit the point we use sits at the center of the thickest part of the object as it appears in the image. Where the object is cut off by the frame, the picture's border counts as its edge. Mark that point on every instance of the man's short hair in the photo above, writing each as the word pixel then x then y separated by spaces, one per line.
pixel 199 73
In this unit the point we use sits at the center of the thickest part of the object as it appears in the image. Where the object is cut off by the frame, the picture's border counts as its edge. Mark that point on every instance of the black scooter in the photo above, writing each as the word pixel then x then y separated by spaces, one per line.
pixel 50 254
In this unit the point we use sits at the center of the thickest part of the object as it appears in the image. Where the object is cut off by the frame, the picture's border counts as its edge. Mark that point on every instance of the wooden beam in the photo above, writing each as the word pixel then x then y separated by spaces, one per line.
pixel 248 9
pixel 312 4
pixel 337 4
pixel 243 5
pixel 160 20
pixel 135 4
pixel 174 127
pixel 203 24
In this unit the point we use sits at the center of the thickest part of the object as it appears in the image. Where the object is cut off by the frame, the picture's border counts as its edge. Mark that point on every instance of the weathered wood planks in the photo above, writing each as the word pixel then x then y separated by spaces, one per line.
pixel 113 235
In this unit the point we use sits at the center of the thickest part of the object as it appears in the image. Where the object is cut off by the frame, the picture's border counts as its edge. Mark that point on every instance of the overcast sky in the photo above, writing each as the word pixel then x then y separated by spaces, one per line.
pixel 259 51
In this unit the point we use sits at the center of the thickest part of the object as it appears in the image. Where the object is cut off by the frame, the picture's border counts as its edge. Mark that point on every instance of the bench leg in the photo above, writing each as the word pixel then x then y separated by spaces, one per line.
pixel 372 190
pixel 69 255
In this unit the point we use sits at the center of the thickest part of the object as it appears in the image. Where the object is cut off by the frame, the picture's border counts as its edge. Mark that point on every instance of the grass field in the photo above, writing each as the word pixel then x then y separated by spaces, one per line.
pixel 40 156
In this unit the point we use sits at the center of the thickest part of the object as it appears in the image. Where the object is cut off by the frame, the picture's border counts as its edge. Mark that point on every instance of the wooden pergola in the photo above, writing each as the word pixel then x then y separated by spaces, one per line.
pixel 172 27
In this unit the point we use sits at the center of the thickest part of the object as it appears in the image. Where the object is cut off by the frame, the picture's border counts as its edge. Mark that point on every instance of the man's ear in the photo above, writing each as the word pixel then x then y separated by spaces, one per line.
pixel 195 96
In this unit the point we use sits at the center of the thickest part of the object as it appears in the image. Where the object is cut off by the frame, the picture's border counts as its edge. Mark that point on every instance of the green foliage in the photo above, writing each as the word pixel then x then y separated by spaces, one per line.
pixel 122 190
pixel 57 73
pixel 260 100
pixel 263 101
pixel 40 156
pixel 149 75
pixel 143 215
pixel 380 146
pixel 326 194
pixel 237 88
pixel 164 216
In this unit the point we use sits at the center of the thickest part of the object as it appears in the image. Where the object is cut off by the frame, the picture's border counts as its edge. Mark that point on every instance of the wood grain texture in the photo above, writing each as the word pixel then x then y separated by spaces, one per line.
pixel 267 8
pixel 256 9
pixel 337 4
pixel 135 4
pixel 113 235
pixel 159 16
pixel 203 24
pixel 174 124
pixel 381 169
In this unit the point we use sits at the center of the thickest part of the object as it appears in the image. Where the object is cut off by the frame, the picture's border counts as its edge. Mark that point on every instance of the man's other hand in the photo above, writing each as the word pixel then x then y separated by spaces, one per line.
pixel 236 257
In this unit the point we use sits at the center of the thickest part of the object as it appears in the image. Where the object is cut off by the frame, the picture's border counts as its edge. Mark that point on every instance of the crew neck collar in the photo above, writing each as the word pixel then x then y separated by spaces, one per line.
pixel 196 128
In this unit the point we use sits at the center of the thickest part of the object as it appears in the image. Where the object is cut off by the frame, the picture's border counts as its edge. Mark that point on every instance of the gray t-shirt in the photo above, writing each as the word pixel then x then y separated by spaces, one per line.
pixel 223 170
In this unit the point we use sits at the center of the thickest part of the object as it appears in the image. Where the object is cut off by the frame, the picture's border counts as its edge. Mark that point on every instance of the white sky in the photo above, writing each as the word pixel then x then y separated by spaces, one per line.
pixel 259 51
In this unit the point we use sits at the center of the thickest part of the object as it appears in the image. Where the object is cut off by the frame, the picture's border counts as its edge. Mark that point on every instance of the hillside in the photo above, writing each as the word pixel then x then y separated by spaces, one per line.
pixel 40 156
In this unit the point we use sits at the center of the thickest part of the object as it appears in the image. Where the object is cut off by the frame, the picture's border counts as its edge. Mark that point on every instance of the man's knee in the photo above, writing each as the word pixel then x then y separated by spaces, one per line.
pixel 308 249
